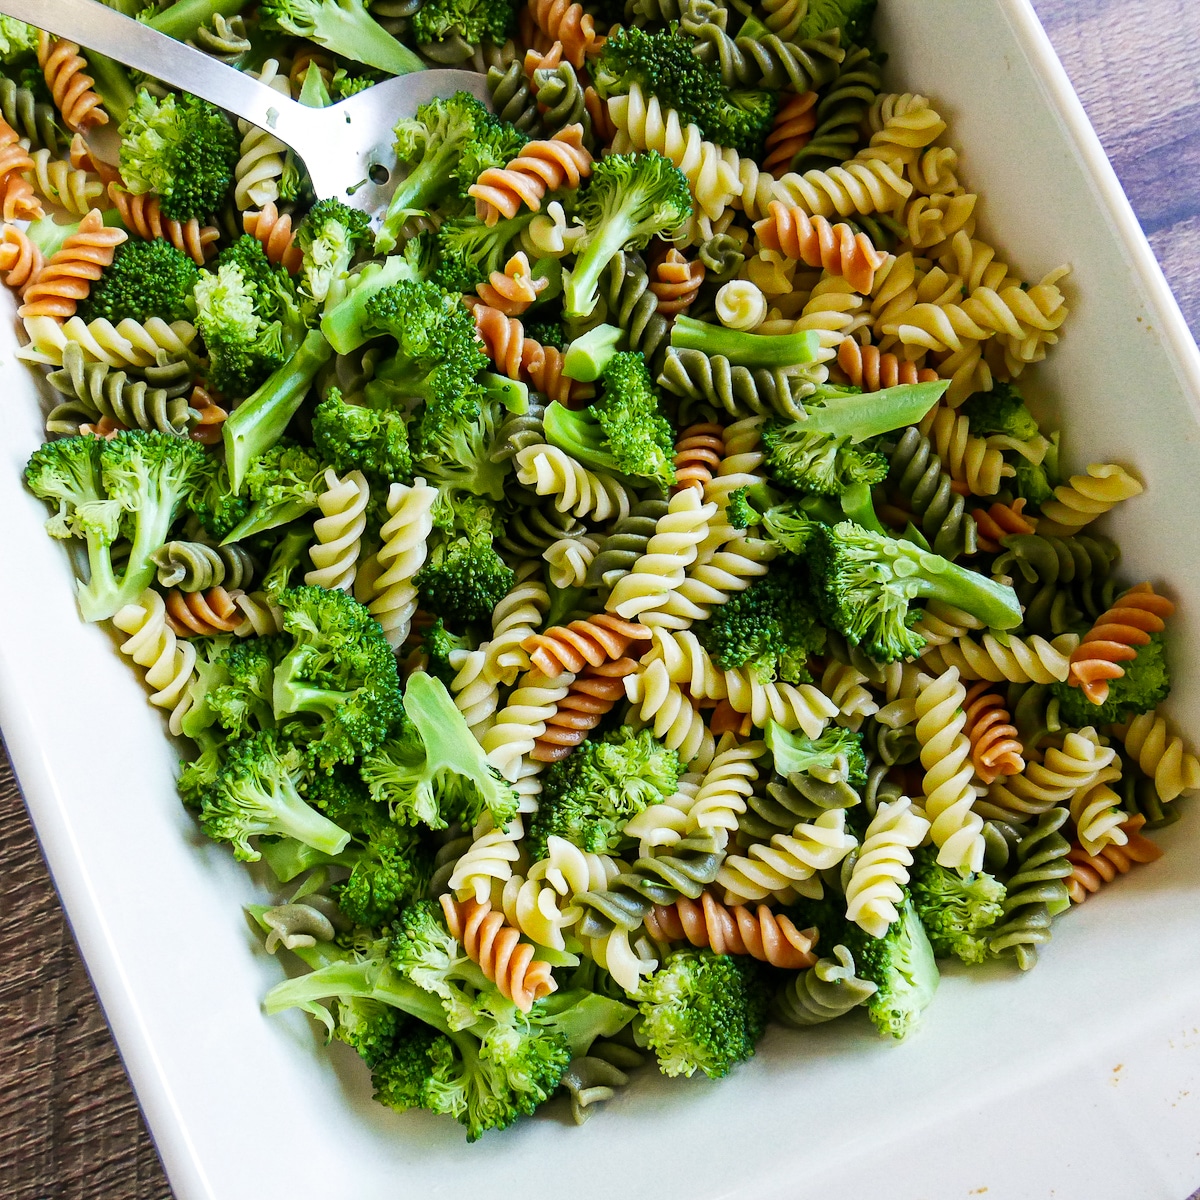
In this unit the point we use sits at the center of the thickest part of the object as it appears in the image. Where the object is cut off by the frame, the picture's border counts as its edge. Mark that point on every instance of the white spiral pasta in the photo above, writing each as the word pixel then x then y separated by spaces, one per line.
pixel 490 857
pixel 569 559
pixel 793 706
pixel 552 472
pixel 1096 811
pixel 549 235
pixel 338 530
pixel 1080 763
pixel 404 535
pixel 787 867
pixel 856 187
pixel 843 684
pixel 476 696
pixel 523 720
pixel 729 780
pixel 261 616
pixel 59 182
pixel 642 124
pixel 129 343
pixel 880 872
pixel 1162 755
pixel 661 704
pixel 770 272
pixel 1083 498
pixel 941 623
pixel 687 662
pixel 169 662
pixel 517 616
pixel 660 825
pixel 1015 659
pixel 956 829
pixel 625 963
pixel 710 582
pixel 740 304
pixel 661 568
pixel 263 156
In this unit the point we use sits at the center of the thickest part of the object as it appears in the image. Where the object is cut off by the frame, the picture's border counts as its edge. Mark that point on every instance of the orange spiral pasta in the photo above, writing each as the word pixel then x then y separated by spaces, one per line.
pixel 20 259
pixel 514 289
pixel 17 199
pixel 676 282
pixel 1001 520
pixel 698 453
pixel 597 640
pixel 794 123
pixel 207 430
pixel 603 126
pixel 567 23
pixel 871 370
pixel 593 694
pixel 274 230
pixel 64 70
pixel 1114 639
pixel 497 947
pixel 814 241
pixel 762 934
pixel 541 167
pixel 541 60
pixel 726 719
pixel 105 428
pixel 70 272
pixel 1090 872
pixel 995 747
pixel 143 217
pixel 202 614
pixel 519 357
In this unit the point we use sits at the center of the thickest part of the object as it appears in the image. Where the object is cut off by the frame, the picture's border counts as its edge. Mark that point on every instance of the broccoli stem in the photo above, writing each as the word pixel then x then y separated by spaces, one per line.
pixel 345 324
pixel 297 819
pixel 936 578
pixel 414 193
pixel 184 17
pixel 259 421
pixel 587 356
pixel 511 393
pixel 352 33
pixel 582 284
pixel 112 82
pixel 744 349
pixel 263 517
pixel 289 857
pixel 869 414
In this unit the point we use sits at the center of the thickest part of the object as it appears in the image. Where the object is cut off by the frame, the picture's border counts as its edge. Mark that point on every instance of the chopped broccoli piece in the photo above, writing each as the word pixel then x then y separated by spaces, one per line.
pixel 769 350
pixel 464 578
pixel 589 796
pixel 351 437
pixel 703 1012
pixel 475 21
pixel 344 27
pixel 468 250
pixel 865 582
pixel 432 770
pixel 837 749
pixel 1145 684
pixel 769 628
pixel 241 702
pixel 146 279
pixel 957 913
pixel 629 199
pixel 17 40
pixel 437 645
pixel 183 150
pixel 330 236
pixel 456 455
pixel 852 17
pixel 282 484
pixel 214 503
pixel 1002 410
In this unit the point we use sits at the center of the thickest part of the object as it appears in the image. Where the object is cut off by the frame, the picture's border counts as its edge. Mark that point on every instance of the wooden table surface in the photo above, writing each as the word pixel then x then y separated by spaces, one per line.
pixel 70 1128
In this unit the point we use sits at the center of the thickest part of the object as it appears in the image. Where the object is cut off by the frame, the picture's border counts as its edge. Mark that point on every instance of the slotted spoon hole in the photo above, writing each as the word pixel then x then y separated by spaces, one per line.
pixel 379 174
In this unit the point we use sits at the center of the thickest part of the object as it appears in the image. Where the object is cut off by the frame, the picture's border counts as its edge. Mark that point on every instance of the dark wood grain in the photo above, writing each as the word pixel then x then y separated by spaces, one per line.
pixel 70 1128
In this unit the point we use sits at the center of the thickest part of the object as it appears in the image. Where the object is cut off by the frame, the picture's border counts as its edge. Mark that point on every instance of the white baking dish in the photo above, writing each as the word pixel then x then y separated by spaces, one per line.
pixel 1080 1081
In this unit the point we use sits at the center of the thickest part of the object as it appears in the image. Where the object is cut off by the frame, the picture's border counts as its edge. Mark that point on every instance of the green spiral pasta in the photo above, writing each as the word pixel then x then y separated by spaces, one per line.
pixel 350 373
pixel 594 1077
pixel 625 289
pixel 560 96
pixel 31 117
pixel 827 990
pixel 722 256
pixel 195 566
pixel 624 544
pixel 1000 842
pixel 519 430
pixel 513 99
pixel 1036 892
pixel 533 527
pixel 841 112
pixel 767 61
pixel 740 391
pixel 781 804
pixel 891 745
pixel 158 401
pixel 223 38
pixel 938 510
pixel 684 869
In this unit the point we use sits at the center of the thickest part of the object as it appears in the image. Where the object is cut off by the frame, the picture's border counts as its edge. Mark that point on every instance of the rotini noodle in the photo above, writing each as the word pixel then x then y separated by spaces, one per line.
pixel 551 472
pixel 760 933
pixel 541 167
pixel 151 644
pixel 1090 872
pixel 70 272
pixel 64 70
pixel 880 871
pixel 338 531
pixel 1137 613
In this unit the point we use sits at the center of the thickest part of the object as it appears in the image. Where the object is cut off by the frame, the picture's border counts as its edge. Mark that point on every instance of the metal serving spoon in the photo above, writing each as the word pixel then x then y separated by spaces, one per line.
pixel 346 147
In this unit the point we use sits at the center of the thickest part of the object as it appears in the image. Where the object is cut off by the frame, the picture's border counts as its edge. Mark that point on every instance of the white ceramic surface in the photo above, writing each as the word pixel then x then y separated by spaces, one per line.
pixel 1080 1081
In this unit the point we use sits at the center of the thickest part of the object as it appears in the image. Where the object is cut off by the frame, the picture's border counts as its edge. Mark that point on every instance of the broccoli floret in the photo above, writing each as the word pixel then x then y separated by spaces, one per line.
pixel 456 455
pixel 702 1012
pixel 183 150
pixel 214 503
pixel 837 749
pixel 351 437
pixel 437 645
pixel 465 578
pixel 344 27
pixel 474 21
pixel 146 279
pixel 432 770
pixel 468 250
pixel 1002 410
pixel 134 484
pixel 589 796
pixel 375 1030
pixel 547 333
pixel 769 628
pixel 260 420
pixel 852 17
pixel 282 484
pixel 1032 481
pixel 446 147
pixel 665 65
pixel 624 431
pixel 330 236
pixel 17 40
pixel 865 582
pixel 1145 684
pixel 241 702
pixel 955 912
pixel 257 791
pixel 630 199
pixel 901 965
pixel 344 321
pixel 826 453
